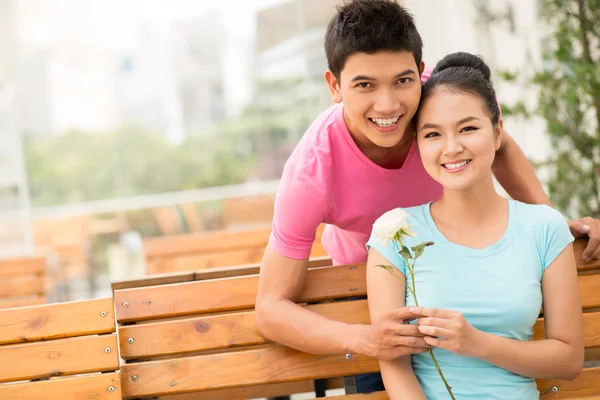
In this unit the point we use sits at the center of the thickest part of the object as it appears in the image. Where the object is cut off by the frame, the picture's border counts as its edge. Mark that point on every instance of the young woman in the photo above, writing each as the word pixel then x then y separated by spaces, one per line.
pixel 494 263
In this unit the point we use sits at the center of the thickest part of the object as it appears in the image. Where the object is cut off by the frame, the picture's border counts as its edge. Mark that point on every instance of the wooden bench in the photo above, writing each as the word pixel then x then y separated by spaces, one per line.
pixel 59 351
pixel 22 282
pixel 204 274
pixel 187 252
pixel 248 211
pixel 201 337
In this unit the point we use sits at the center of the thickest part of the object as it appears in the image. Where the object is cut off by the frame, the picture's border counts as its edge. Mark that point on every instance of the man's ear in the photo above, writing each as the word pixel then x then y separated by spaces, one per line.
pixel 499 131
pixel 334 86
pixel 421 68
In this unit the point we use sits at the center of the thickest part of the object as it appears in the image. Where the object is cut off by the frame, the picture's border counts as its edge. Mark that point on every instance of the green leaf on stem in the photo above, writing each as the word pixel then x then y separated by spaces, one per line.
pixel 418 249
pixel 388 268
pixel 405 252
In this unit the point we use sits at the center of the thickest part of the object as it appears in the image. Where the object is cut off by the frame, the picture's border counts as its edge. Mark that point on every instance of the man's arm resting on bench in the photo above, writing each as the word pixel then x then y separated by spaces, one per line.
pixel 281 320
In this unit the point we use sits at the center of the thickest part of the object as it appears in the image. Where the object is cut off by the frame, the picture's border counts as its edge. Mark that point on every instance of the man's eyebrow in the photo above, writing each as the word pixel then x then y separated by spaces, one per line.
pixel 362 78
pixel 368 78
pixel 405 73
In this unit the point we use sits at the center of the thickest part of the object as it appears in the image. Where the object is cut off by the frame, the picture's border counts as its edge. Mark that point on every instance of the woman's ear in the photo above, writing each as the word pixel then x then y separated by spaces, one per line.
pixel 499 131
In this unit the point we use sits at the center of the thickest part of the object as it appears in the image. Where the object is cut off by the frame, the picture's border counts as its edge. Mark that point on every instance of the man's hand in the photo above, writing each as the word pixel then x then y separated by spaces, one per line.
pixel 587 227
pixel 390 337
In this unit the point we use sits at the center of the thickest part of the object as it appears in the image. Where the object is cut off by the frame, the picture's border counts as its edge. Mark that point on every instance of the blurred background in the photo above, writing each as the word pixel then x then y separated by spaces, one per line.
pixel 122 120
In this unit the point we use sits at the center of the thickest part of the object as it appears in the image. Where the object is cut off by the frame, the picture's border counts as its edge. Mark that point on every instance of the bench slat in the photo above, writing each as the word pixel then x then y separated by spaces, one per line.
pixel 56 321
pixel 591 329
pixel 214 259
pixel 206 261
pixel 589 290
pixel 218 331
pixel 251 367
pixel 84 387
pixel 224 331
pixel 369 396
pixel 240 293
pixel 586 384
pixel 579 245
pixel 200 275
pixel 251 392
pixel 59 357
pixel 22 286
pixel 231 294
pixel 20 267
pixel 583 388
pixel 23 302
pixel 165 246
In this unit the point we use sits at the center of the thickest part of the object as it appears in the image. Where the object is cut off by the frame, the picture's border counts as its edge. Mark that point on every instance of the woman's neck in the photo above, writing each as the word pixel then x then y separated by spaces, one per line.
pixel 469 208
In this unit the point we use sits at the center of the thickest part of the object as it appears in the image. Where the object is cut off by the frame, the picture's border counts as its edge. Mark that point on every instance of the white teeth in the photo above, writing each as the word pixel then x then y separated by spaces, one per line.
pixel 457 165
pixel 385 122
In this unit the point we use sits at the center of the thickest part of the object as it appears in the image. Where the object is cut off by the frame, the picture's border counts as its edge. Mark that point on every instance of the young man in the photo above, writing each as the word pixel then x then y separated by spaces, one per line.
pixel 356 161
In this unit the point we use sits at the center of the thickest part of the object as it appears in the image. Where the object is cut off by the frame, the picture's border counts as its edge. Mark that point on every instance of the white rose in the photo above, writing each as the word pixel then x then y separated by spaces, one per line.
pixel 391 223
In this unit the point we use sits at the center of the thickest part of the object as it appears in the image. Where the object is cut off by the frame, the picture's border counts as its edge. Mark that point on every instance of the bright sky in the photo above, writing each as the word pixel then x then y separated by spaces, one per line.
pixel 114 21
pixel 115 24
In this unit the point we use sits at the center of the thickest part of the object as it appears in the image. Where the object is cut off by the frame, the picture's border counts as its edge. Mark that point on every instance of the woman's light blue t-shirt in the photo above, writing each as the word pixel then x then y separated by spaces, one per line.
pixel 497 289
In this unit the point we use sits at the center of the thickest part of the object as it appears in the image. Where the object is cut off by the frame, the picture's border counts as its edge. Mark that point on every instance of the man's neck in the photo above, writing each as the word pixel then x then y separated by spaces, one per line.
pixel 386 157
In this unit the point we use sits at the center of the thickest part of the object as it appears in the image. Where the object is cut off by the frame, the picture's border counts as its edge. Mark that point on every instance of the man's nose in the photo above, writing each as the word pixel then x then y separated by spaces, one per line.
pixel 386 103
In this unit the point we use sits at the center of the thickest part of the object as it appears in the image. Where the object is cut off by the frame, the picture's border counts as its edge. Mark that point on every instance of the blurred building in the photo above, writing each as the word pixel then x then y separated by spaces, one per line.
pixel 289 46
pixel 64 80
pixel 198 55
pixel 172 81
pixel 147 92
pixel 15 233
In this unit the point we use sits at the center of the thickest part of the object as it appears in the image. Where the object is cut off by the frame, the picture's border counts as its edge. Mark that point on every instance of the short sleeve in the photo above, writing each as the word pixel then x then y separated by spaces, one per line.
pixel 556 236
pixel 390 251
pixel 299 210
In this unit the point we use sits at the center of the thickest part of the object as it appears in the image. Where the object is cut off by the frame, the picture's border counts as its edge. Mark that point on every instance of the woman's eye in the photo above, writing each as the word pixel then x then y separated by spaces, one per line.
pixel 431 135
pixel 468 128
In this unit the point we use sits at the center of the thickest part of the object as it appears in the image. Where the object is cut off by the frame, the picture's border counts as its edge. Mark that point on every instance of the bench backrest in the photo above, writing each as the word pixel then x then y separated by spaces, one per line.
pixel 204 274
pixel 201 336
pixel 248 211
pixel 22 282
pixel 196 251
pixel 60 351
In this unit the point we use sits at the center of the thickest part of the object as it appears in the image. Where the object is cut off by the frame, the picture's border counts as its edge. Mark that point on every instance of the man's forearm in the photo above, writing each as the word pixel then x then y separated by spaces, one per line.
pixel 516 174
pixel 287 323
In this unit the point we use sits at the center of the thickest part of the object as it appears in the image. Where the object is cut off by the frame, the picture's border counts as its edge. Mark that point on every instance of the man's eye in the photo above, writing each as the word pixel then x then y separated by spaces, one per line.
pixel 364 85
pixel 404 80
pixel 431 135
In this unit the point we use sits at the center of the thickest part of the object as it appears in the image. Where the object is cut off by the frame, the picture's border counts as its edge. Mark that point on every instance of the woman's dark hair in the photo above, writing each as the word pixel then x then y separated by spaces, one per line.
pixel 369 26
pixel 464 73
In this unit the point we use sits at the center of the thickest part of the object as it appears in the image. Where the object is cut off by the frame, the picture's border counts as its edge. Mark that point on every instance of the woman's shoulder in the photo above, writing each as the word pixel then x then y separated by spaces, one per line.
pixel 541 223
pixel 536 214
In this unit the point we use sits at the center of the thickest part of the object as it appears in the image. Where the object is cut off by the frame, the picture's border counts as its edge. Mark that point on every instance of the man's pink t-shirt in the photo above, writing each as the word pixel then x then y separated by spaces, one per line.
pixel 327 179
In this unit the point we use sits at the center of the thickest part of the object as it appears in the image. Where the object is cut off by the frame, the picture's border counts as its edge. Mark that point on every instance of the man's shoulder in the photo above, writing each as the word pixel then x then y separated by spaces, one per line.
pixel 315 145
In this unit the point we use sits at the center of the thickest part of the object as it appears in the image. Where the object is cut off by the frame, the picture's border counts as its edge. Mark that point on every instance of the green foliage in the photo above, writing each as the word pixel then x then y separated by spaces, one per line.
pixel 80 166
pixel 569 102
